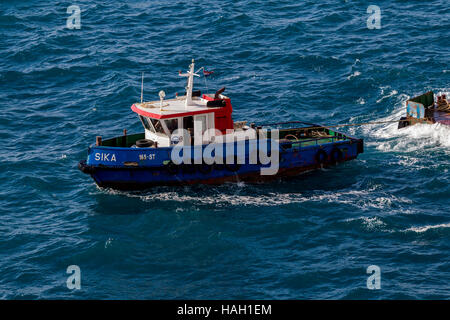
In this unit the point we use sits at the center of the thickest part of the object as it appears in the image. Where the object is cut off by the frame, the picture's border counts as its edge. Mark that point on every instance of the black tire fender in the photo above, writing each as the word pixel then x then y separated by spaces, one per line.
pixel 336 155
pixel 172 168
pixel 144 143
pixel 321 156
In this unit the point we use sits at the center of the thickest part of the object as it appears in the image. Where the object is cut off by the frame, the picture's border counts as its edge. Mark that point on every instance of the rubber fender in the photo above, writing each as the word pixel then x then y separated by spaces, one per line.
pixel 321 156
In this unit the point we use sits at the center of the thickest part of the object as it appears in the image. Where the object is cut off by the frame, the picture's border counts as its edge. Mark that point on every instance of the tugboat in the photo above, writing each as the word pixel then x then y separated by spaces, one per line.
pixel 192 139
pixel 426 108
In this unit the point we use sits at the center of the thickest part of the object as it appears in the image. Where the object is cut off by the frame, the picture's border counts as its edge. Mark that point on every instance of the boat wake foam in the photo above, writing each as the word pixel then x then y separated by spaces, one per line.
pixel 239 195
pixel 412 138
pixel 377 224
pixel 426 228
pixel 388 138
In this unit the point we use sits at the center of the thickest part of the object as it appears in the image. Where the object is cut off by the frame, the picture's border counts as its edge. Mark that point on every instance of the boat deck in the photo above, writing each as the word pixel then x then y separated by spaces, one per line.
pixel 317 141
pixel 299 137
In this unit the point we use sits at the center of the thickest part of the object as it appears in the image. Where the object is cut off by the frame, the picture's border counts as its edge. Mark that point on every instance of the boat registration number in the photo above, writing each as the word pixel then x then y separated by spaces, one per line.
pixel 145 156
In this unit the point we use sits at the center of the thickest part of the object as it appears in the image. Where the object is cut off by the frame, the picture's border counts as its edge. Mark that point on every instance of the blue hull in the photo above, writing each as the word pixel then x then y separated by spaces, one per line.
pixel 141 168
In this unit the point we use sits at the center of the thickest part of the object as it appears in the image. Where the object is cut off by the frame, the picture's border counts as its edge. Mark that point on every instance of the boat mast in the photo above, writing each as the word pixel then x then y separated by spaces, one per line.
pixel 190 83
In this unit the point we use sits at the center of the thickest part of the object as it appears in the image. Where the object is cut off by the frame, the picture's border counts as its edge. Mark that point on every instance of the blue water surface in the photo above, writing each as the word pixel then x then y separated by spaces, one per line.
pixel 312 237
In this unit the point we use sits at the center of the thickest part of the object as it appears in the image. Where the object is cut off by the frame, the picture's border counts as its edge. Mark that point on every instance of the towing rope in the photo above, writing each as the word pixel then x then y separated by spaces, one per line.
pixel 364 123
pixel 342 125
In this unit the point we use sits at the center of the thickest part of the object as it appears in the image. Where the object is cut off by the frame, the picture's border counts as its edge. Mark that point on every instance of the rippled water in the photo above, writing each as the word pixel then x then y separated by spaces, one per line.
pixel 311 237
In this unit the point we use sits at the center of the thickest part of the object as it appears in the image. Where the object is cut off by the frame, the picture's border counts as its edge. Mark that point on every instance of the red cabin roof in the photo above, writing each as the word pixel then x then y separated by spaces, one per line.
pixel 175 108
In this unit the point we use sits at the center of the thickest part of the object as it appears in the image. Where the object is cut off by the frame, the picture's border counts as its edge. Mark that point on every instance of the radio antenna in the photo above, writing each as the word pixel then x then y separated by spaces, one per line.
pixel 142 88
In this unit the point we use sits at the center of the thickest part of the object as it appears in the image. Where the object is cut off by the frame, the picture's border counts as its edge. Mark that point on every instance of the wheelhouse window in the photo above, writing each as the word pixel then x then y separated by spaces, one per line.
pixel 188 122
pixel 157 125
pixel 147 123
pixel 152 124
pixel 172 125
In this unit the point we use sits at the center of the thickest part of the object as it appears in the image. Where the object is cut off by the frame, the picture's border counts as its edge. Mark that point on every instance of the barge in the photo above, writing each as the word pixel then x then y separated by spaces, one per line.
pixel 192 139
pixel 426 108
